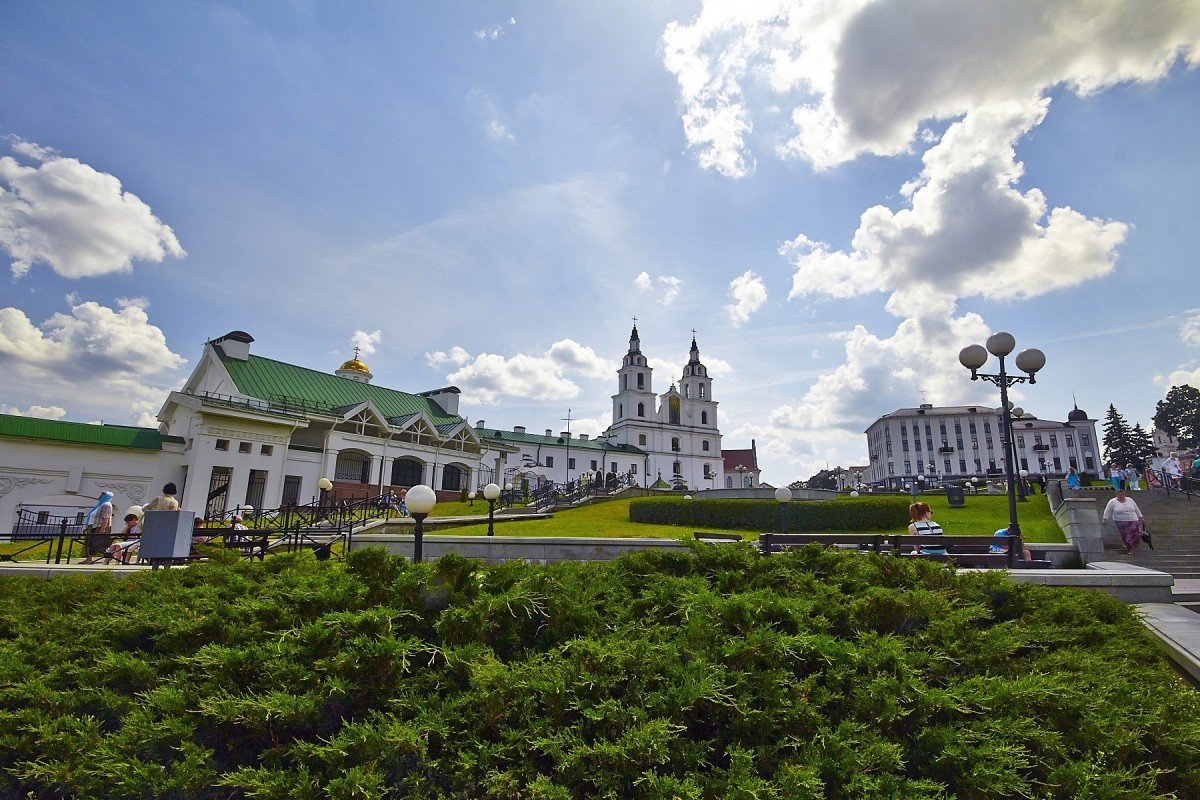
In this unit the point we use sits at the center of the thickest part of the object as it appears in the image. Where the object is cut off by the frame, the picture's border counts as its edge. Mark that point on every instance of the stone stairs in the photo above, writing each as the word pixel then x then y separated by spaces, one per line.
pixel 1174 523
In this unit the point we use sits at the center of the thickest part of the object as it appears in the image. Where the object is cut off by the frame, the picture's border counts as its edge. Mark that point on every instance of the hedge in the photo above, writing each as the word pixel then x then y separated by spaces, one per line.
pixel 858 514
pixel 716 674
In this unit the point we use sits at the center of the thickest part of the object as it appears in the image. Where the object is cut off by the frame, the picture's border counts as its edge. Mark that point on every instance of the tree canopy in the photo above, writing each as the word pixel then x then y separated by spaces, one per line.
pixel 1179 415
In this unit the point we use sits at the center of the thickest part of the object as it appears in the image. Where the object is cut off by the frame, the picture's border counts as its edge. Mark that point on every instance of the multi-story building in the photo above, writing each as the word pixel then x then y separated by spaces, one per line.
pixel 960 442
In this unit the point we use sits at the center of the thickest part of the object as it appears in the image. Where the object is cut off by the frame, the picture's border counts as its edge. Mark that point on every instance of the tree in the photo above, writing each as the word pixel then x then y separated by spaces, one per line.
pixel 1179 415
pixel 1116 438
pixel 825 479
pixel 1142 446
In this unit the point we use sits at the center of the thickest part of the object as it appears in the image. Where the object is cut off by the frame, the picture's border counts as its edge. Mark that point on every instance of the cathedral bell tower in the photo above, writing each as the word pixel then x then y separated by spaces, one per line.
pixel 634 398
pixel 699 409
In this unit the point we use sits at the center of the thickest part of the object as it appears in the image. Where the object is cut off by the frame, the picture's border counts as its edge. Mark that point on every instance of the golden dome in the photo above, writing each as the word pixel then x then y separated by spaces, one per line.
pixel 354 365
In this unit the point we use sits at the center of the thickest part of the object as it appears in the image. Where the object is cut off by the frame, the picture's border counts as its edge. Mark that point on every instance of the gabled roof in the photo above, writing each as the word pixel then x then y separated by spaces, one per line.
pixel 83 433
pixel 732 459
pixel 495 435
pixel 268 379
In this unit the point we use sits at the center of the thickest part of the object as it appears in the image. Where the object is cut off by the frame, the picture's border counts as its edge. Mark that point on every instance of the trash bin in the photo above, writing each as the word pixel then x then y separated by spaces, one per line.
pixel 955 496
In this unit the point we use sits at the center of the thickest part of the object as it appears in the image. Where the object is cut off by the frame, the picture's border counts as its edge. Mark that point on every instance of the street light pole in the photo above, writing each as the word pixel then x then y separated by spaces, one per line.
pixel 491 493
pixel 783 496
pixel 420 501
pixel 973 357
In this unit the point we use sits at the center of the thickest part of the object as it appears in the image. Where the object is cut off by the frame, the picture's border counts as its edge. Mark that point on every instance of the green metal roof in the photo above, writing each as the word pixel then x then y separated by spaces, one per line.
pixel 270 380
pixel 494 435
pixel 83 433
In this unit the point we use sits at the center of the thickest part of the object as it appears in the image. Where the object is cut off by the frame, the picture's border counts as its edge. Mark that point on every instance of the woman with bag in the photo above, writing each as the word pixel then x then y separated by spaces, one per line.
pixel 1129 521
pixel 98 529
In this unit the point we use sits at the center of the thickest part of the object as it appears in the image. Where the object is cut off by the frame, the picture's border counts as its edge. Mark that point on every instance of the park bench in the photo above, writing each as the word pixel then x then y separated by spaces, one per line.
pixel 962 551
pixel 717 538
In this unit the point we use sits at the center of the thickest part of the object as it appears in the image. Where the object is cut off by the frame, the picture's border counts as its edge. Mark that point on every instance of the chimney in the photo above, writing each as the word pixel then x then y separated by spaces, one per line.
pixel 565 434
pixel 518 429
pixel 549 432
pixel 480 424
pixel 235 345
pixel 446 398
pixel 583 437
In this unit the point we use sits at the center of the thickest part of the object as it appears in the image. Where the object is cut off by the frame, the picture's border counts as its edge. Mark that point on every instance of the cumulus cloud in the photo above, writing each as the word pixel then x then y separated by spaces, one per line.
pixel 76 220
pixel 456 355
pixel 95 357
pixel 664 287
pixel 748 294
pixel 861 76
pixel 495 32
pixel 41 412
pixel 1179 377
pixel 590 426
pixel 1189 331
pixel 487 377
pixel 366 342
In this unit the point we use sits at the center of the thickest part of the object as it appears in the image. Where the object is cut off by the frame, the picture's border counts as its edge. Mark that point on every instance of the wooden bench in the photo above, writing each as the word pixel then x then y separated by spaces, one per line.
pixel 963 551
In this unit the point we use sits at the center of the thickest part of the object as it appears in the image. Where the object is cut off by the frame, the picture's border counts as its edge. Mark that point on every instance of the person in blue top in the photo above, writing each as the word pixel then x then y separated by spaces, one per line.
pixel 1000 548
pixel 1072 479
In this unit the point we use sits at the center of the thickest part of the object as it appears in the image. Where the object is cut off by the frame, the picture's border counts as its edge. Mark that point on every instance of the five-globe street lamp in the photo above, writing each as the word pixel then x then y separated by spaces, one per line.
pixel 783 496
pixel 491 493
pixel 420 500
pixel 973 357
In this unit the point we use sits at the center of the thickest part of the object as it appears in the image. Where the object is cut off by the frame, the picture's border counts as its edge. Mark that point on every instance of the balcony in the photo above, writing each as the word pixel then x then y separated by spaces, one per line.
pixel 945 449
pixel 1041 448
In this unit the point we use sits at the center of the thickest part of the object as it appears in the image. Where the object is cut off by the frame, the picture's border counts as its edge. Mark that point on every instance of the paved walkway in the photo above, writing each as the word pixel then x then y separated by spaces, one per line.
pixel 1178 631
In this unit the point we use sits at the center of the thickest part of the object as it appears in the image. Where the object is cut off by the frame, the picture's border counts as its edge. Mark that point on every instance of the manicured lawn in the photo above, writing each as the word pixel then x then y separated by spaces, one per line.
pixel 983 514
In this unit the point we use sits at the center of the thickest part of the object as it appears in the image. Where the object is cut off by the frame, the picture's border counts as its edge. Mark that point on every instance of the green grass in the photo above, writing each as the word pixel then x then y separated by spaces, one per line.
pixel 983 515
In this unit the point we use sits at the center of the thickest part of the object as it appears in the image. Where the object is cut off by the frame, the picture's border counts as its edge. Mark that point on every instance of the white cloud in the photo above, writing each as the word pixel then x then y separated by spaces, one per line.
pixel 495 32
pixel 496 130
pixel 862 76
pixel 488 377
pixel 41 412
pixel 748 294
pixel 1179 377
pixel 366 342
pixel 664 287
pixel 78 221
pixel 590 426
pixel 457 355
pixel 1189 331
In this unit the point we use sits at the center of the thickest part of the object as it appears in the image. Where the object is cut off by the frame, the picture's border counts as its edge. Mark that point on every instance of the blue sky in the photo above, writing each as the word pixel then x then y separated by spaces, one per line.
pixel 836 199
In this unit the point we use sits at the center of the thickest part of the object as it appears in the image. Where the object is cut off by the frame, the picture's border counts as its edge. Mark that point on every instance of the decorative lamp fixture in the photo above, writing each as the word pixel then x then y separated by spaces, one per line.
pixel 783 496
pixel 420 501
pixel 491 493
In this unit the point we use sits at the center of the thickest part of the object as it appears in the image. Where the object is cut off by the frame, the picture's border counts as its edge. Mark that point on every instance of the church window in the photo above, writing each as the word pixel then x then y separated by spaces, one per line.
pixel 624 381
pixel 687 390
pixel 676 468
pixel 703 417
pixel 642 439
pixel 633 469
pixel 641 409
pixel 728 481
pixel 707 471
pixel 549 461
pixel 674 410
pixel 641 381
pixel 675 443
pixel 702 391
pixel 704 445
pixel 620 410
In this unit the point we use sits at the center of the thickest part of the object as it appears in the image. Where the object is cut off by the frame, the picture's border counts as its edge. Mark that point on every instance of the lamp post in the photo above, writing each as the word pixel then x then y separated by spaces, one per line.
pixel 783 496
pixel 918 486
pixel 973 357
pixel 420 500
pixel 324 485
pixel 491 493
pixel 741 471
pixel 1021 485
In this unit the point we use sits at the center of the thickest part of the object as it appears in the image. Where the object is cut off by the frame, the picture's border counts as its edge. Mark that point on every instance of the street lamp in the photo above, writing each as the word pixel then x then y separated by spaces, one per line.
pixel 420 500
pixel 324 484
pixel 783 496
pixel 741 471
pixel 1021 485
pixel 491 493
pixel 973 357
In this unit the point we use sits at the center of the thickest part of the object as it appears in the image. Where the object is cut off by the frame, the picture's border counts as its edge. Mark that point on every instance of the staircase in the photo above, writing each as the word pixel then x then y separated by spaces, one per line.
pixel 1172 520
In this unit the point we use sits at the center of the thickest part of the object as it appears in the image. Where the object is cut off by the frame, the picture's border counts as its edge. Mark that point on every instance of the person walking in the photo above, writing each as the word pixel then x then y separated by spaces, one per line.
pixel 1126 515
pixel 1072 479
pixel 1172 471
pixel 98 529
pixel 1131 478
pixel 1114 476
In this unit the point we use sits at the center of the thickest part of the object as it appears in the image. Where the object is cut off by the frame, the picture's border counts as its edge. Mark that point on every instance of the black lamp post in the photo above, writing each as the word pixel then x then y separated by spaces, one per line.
pixel 973 357
pixel 420 501
pixel 491 493
pixel 783 496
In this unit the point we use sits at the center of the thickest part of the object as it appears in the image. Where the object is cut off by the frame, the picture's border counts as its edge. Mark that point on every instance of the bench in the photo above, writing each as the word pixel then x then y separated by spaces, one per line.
pixel 716 538
pixel 963 551
pixel 248 543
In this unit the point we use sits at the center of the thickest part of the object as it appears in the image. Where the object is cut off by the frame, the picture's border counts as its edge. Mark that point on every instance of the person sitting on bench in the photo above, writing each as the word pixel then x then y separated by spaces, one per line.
pixel 1003 548
pixel 923 525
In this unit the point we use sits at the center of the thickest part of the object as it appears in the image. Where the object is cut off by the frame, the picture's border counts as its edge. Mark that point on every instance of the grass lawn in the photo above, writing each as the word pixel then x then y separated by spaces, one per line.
pixel 983 514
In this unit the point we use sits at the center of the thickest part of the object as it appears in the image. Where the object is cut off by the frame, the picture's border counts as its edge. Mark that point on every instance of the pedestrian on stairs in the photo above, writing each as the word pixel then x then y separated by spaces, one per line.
pixel 1130 523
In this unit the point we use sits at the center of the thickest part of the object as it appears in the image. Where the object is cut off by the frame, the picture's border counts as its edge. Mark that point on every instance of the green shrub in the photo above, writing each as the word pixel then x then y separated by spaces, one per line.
pixel 849 514
pixel 716 674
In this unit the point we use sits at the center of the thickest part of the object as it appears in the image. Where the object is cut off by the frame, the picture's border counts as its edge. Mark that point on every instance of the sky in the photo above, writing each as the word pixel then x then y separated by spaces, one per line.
pixel 836 196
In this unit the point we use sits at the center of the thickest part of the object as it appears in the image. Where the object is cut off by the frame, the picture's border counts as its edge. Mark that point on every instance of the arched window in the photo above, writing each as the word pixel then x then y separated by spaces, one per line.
pixel 702 391
pixel 707 471
pixel 352 466
pixel 624 381
pixel 675 444
pixel 674 407
pixel 703 417
pixel 452 477
pixel 704 445
pixel 676 468
pixel 687 390
pixel 406 472
pixel 728 481
pixel 620 410
pixel 641 381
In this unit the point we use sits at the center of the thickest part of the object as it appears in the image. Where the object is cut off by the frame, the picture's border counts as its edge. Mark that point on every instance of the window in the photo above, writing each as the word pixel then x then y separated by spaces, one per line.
pixel 889 449
pixel 702 391
pixel 593 467
pixel 245 447
pixel 707 471
pixel 687 390
pixel 958 428
pixel 1037 439
pixel 987 427
pixel 962 465
pixel 917 444
pixel 266 449
pixel 971 426
pixel 291 490
pixel 988 442
pixel 1020 440
pixel 675 444
pixel 676 468
pixel 1070 442
pixel 1025 463
pixel 549 461
pixel 1087 460
pixel 1053 440
pixel 891 468
pixel 945 442
pixel 222 444
pixel 947 464
pixel 453 478
pixel 641 409
pixel 673 406
pixel 929 444
pixel 920 467
pixel 904 445
pixel 624 381
pixel 978 466
pixel 908 468
pixel 960 444
pixel 942 428
pixel 703 417
pixel 641 380
pixel 1073 463
pixel 406 472
pixel 1086 441
pixel 704 445
pixel 1057 464
pixel 255 488
pixel 620 410
pixel 641 440
pixel 613 466
pixel 633 469
pixel 904 430
pixel 570 463
pixel 728 481
pixel 928 431
pixel 974 443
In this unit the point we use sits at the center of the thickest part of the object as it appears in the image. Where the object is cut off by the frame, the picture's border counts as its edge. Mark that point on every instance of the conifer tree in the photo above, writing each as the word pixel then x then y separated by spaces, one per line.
pixel 1116 438
pixel 1179 414
pixel 1141 444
